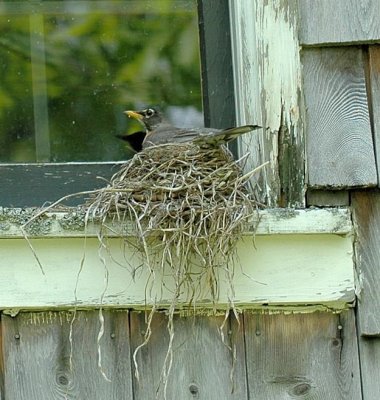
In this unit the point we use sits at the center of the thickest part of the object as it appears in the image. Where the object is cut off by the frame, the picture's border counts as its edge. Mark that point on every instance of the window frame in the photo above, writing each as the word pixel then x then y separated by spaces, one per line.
pixel 34 184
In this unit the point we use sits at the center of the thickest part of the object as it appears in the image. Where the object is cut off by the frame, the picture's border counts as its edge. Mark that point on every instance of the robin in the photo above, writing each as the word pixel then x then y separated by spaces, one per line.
pixel 160 131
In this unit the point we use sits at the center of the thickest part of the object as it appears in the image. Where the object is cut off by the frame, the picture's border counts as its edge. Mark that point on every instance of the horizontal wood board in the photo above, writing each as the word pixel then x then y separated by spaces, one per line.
pixel 265 222
pixel 272 269
pixel 340 149
pixel 338 22
pixel 328 198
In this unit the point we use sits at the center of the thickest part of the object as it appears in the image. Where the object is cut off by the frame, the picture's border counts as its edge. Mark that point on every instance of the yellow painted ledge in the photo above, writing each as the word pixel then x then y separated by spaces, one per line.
pixel 298 258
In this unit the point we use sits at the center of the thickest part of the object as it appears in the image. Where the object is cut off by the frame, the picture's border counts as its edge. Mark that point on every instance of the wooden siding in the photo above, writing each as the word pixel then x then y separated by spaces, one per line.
pixel 339 22
pixel 366 207
pixel 44 360
pixel 302 356
pixel 275 357
pixel 328 198
pixel 369 348
pixel 374 91
pixel 339 140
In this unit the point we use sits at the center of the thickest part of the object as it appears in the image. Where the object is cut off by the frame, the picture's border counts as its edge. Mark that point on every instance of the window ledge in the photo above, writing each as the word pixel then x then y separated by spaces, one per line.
pixel 298 258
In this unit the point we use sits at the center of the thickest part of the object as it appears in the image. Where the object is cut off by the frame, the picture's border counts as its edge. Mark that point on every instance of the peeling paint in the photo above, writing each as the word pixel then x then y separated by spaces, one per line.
pixel 267 71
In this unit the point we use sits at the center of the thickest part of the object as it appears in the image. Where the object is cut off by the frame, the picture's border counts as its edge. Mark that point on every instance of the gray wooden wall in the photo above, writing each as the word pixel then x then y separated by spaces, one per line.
pixel 341 76
pixel 275 356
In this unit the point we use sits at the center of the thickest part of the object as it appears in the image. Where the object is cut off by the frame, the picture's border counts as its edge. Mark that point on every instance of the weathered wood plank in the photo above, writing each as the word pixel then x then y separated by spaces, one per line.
pixel 328 198
pixel 272 269
pixel 272 221
pixel 40 362
pixel 267 71
pixel 2 393
pixel 369 348
pixel 366 211
pixel 339 139
pixel 374 79
pixel 302 356
pixel 326 22
pixel 202 363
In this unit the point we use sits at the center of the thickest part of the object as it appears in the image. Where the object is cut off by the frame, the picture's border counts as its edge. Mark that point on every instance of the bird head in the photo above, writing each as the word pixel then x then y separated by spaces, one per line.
pixel 150 118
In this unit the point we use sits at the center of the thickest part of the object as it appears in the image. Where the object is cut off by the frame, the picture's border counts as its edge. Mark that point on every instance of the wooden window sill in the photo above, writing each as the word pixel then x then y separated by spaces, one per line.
pixel 298 258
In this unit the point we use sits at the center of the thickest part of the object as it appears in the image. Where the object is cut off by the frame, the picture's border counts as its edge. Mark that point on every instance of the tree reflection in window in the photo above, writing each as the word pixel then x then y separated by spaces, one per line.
pixel 69 68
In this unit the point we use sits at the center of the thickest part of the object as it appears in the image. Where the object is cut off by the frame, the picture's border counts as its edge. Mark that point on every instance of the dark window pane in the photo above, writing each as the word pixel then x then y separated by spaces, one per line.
pixel 70 68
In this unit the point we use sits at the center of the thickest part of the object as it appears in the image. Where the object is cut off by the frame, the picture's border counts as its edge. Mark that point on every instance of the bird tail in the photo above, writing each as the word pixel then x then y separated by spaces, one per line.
pixel 220 137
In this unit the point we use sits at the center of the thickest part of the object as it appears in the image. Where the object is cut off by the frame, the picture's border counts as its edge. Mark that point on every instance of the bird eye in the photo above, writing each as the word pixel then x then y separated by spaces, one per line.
pixel 149 112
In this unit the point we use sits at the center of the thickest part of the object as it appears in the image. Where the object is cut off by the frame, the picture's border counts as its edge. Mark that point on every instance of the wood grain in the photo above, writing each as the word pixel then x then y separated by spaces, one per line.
pixel 366 211
pixel 202 364
pixel 37 355
pixel 339 140
pixel 369 348
pixel 374 79
pixel 267 72
pixel 311 356
pixel 328 198
pixel 324 22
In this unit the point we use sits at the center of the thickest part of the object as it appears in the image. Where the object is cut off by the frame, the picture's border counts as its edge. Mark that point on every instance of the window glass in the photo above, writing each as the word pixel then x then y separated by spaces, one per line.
pixel 70 68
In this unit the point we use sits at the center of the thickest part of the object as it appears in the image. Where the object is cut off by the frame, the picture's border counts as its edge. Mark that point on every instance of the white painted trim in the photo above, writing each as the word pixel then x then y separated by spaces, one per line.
pixel 308 261
pixel 274 221
pixel 267 83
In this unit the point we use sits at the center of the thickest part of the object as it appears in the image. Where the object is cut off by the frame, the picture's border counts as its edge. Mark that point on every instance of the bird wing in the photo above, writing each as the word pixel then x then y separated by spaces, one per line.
pixel 204 137
pixel 212 137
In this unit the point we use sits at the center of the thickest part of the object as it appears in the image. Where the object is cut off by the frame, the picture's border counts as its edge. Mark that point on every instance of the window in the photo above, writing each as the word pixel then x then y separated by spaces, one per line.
pixel 70 68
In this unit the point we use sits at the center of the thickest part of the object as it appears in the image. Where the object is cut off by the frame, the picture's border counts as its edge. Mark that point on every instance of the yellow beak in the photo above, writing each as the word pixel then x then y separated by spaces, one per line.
pixel 134 114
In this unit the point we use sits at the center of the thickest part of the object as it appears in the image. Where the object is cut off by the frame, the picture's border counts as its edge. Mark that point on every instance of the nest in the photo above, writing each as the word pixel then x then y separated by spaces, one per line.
pixel 187 207
pixel 183 209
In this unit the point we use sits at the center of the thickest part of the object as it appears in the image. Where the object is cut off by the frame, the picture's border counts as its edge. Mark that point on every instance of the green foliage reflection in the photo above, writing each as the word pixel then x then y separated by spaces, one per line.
pixel 97 62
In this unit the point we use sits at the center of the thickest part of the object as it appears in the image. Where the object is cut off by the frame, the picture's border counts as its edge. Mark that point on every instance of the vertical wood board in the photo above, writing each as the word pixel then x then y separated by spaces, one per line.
pixel 340 150
pixel 374 89
pixel 369 348
pixel 2 393
pixel 311 356
pixel 267 73
pixel 324 22
pixel 40 362
pixel 202 363
pixel 366 212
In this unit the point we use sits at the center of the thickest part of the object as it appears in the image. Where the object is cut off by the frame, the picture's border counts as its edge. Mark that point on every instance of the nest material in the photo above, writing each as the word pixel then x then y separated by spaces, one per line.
pixel 187 207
